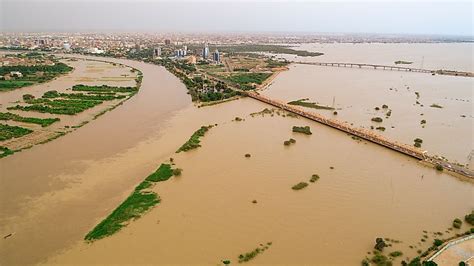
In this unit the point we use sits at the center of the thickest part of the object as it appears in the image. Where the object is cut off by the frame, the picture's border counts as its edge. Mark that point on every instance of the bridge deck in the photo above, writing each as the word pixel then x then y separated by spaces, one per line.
pixel 371 66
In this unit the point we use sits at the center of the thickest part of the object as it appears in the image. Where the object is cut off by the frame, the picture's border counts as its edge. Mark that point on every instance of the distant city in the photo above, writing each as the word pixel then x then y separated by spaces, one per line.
pixel 179 44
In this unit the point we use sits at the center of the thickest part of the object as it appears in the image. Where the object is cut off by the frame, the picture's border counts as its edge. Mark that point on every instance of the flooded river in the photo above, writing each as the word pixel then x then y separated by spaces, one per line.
pixel 207 215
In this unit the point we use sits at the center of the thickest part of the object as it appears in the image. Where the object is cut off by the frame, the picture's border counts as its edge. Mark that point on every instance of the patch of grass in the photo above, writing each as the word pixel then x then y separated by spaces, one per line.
pixel 314 178
pixel 177 171
pixel 44 122
pixel 380 259
pixel 377 119
pixel 139 202
pixel 469 218
pixel 9 132
pixel 457 223
pixel 299 186
pixel 248 78
pixel 50 94
pixel 305 103
pixel 163 173
pixel 305 130
pixel 194 141
pixel 4 152
pixel 252 254
pixel 434 105
pixel 27 97
pixel 289 142
pixel 395 254
pixel 401 62
pixel 438 242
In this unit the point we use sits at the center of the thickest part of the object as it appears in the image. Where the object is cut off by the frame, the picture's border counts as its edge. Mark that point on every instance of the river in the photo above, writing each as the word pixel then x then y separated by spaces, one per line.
pixel 207 215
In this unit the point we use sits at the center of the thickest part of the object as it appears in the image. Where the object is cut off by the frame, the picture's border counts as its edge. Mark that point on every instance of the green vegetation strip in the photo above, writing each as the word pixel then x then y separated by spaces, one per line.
pixel 103 88
pixel 305 103
pixel 252 254
pixel 44 122
pixel 9 132
pixel 140 201
pixel 194 141
pixel 255 48
pixel 400 62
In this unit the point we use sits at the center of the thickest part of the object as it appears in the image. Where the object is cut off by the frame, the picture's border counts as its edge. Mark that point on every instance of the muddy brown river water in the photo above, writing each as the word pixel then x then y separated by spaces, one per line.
pixel 53 194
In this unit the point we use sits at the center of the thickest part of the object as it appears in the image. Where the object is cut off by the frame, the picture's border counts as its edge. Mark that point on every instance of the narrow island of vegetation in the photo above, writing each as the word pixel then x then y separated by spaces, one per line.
pixel 252 254
pixel 44 122
pixel 305 130
pixel 299 186
pixel 194 140
pixel 140 201
pixel 305 103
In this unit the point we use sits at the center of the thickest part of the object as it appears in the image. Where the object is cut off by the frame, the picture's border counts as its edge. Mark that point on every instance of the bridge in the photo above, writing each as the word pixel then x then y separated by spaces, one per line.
pixel 365 134
pixel 390 68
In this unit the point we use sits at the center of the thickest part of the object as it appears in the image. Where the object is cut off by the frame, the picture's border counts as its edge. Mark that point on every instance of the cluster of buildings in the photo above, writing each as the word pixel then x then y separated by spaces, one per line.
pixel 122 45
pixel 183 53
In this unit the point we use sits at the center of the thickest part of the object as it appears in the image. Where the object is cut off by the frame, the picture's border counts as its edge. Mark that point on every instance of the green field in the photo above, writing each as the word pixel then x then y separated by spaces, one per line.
pixel 31 75
pixel 6 85
pixel 248 78
pixel 9 132
pixel 73 103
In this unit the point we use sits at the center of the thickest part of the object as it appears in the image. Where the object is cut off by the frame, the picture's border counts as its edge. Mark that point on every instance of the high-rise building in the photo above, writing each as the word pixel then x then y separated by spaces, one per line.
pixel 216 56
pixel 157 52
pixel 66 46
pixel 205 51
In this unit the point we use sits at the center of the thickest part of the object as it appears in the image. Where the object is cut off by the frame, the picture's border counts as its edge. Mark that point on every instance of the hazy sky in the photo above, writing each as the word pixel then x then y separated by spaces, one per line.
pixel 411 17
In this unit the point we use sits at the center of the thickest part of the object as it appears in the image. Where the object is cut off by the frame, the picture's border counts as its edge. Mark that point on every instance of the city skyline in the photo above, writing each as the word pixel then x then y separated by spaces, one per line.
pixel 410 18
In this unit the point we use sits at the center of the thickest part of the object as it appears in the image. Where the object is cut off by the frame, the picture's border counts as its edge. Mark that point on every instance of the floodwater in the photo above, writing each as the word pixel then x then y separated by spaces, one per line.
pixel 355 93
pixel 434 56
pixel 207 215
